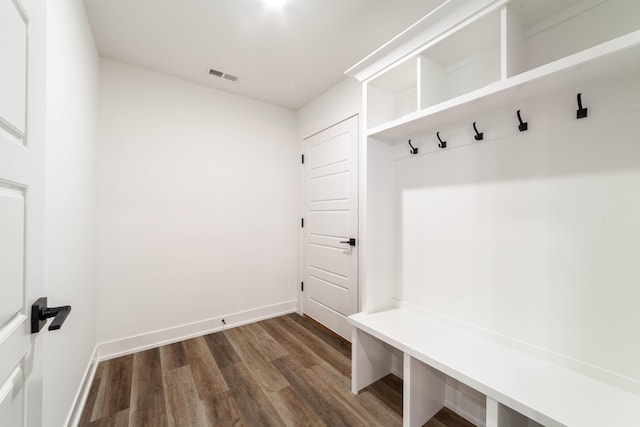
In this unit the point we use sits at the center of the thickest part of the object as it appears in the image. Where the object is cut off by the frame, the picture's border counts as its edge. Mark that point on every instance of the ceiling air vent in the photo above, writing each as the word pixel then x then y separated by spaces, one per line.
pixel 223 75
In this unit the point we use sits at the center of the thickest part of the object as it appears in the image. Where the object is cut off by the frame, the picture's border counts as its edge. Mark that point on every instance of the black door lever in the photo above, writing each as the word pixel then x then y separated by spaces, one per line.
pixel 40 313
pixel 351 241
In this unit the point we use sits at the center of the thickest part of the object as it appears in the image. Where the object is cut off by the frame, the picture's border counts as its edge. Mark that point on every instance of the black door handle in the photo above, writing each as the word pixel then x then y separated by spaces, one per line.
pixel 351 241
pixel 40 313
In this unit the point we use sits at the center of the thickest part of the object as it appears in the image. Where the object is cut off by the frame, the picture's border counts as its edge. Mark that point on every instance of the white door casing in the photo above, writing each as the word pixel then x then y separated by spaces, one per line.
pixel 21 207
pixel 330 268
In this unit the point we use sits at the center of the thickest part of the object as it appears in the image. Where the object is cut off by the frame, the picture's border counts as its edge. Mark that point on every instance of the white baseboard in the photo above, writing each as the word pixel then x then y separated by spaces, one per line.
pixel 124 346
pixel 73 419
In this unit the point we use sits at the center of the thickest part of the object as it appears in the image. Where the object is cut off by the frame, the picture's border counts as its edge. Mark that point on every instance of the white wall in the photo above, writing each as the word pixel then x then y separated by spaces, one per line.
pixel 335 105
pixel 197 203
pixel 533 236
pixel 69 268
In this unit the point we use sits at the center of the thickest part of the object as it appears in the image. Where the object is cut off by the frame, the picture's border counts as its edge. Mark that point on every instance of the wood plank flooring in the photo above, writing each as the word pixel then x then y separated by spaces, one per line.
pixel 281 371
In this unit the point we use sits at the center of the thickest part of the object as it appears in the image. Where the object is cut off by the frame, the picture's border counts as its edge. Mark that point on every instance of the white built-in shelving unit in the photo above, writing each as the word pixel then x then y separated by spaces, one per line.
pixel 502 52
pixel 465 58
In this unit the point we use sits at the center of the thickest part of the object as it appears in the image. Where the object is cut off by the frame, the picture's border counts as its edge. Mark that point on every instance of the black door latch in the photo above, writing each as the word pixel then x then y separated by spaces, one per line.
pixel 351 241
pixel 40 313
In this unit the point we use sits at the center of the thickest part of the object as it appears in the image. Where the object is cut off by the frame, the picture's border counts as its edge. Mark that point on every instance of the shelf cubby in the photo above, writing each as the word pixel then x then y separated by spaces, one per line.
pixel 539 32
pixel 393 95
pixel 467 60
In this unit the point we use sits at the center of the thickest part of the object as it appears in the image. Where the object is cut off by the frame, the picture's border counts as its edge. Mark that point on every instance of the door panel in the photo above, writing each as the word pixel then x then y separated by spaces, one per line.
pixel 329 223
pixel 12 399
pixel 329 188
pixel 11 252
pixel 329 294
pixel 329 277
pixel 13 76
pixel 329 151
pixel 331 216
pixel 13 341
pixel 329 259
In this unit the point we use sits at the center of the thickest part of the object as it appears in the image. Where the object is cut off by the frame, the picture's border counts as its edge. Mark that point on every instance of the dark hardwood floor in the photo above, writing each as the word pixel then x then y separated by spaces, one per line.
pixel 281 371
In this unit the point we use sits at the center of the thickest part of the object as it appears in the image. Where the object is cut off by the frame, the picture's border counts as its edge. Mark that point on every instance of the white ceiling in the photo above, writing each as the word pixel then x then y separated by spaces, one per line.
pixel 285 56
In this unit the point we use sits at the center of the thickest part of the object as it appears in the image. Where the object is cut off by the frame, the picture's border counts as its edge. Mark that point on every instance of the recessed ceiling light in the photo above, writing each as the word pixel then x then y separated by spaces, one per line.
pixel 274 3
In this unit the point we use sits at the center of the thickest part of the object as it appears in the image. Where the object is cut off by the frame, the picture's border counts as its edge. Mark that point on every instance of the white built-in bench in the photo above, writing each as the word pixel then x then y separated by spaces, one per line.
pixel 542 391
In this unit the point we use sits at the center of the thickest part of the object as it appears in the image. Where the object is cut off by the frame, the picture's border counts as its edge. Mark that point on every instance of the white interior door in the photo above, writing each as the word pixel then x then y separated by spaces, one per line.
pixel 21 210
pixel 330 219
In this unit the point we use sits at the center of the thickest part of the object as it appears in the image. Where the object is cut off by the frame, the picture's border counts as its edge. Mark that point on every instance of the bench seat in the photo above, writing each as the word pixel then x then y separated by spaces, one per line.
pixel 543 391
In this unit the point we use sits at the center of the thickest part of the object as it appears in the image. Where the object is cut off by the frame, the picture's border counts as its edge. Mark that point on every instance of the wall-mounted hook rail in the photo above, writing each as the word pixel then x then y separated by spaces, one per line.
pixel 443 144
pixel 523 125
pixel 479 135
pixel 414 150
pixel 582 112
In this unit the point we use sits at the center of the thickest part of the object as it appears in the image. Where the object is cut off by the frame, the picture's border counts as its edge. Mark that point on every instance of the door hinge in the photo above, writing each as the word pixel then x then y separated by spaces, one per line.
pixel 302 222
pixel 301 286
pixel 303 159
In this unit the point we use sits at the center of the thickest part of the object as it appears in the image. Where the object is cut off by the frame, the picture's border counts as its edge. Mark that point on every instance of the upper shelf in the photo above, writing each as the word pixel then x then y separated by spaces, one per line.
pixel 612 59
pixel 468 55
pixel 440 22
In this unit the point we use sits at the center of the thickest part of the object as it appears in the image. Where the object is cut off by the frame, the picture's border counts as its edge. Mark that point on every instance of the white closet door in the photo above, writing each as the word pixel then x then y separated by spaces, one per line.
pixel 330 221
pixel 21 208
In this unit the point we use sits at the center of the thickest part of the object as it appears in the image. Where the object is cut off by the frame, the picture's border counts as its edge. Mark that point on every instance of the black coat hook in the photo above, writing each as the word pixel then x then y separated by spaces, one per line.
pixel 523 125
pixel 414 150
pixel 582 112
pixel 479 135
pixel 443 144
